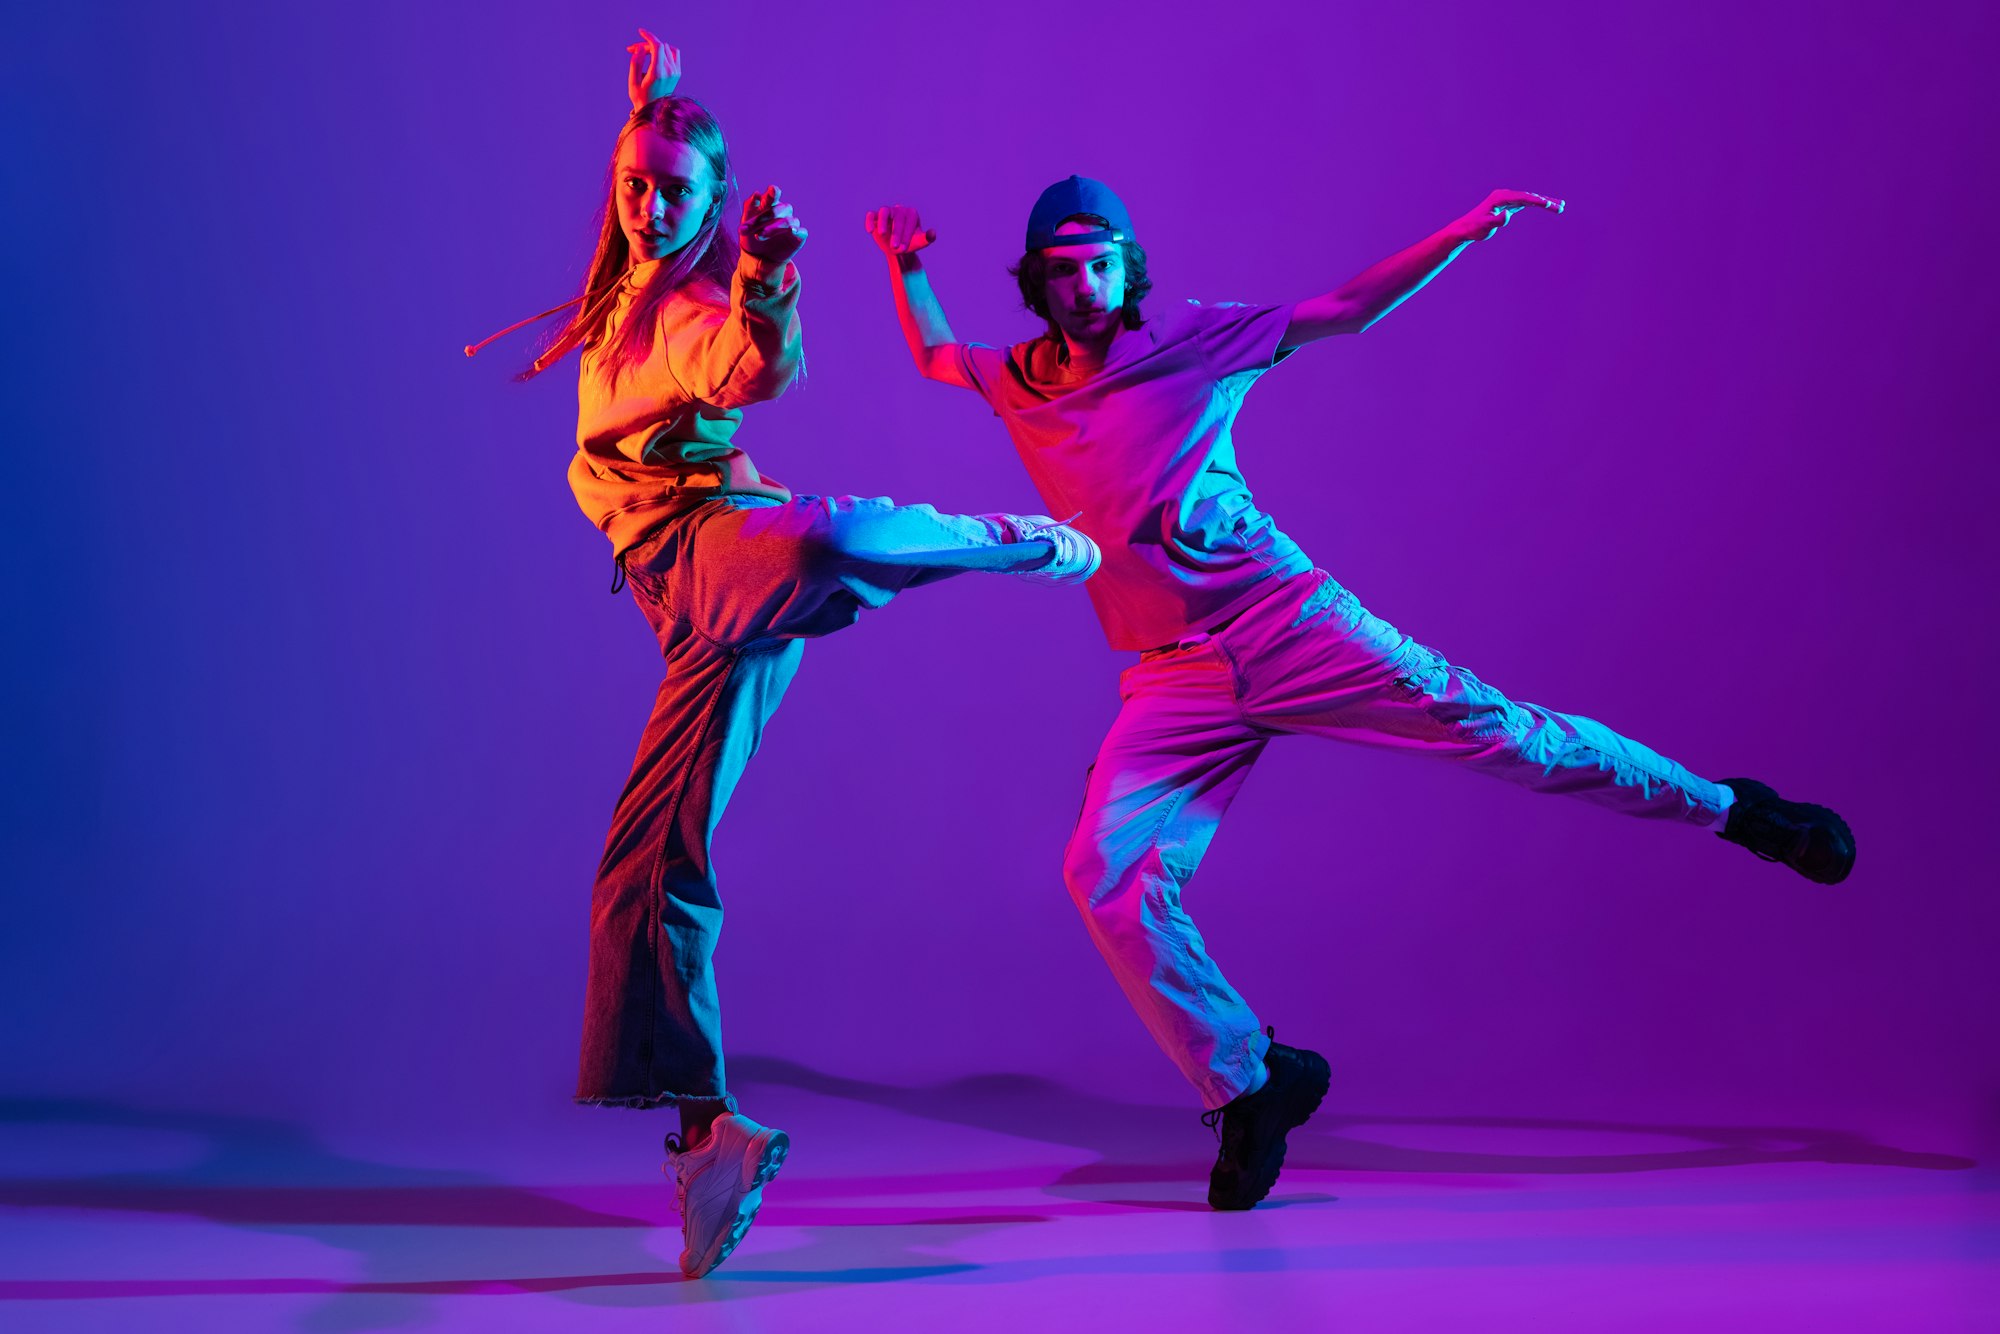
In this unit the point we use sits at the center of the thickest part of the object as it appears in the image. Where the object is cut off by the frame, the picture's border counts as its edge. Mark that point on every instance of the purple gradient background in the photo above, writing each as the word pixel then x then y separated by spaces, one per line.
pixel 317 707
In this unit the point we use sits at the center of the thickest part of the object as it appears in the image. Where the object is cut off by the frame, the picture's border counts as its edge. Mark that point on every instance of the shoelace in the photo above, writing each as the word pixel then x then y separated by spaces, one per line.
pixel 1777 839
pixel 1059 535
pixel 1213 1119
pixel 1053 532
pixel 677 1147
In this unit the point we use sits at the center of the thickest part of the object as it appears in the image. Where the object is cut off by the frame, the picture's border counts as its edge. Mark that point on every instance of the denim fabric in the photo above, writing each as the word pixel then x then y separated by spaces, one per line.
pixel 1307 659
pixel 732 587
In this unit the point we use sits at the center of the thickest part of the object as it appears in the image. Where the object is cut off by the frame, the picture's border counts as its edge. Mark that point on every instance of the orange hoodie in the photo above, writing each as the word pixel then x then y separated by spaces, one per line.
pixel 665 428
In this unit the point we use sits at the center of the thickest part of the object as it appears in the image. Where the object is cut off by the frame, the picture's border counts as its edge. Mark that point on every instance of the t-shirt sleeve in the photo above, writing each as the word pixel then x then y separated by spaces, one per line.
pixel 1237 338
pixel 982 367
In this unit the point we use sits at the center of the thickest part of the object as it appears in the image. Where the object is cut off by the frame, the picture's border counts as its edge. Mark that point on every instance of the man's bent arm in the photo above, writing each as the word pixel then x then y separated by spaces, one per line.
pixel 901 234
pixel 925 328
pixel 1380 288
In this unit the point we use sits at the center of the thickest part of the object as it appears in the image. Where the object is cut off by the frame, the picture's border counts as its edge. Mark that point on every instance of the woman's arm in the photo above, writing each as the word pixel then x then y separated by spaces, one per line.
pixel 655 72
pixel 901 234
pixel 750 354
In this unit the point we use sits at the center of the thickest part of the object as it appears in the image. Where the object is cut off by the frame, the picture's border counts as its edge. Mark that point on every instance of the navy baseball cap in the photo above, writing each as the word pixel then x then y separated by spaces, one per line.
pixel 1066 199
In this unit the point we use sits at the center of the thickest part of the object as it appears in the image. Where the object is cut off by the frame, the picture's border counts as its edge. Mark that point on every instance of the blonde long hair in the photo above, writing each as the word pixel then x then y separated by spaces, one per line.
pixel 710 257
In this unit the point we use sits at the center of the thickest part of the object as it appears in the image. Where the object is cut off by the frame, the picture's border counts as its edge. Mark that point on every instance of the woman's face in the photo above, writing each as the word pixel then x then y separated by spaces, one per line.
pixel 664 189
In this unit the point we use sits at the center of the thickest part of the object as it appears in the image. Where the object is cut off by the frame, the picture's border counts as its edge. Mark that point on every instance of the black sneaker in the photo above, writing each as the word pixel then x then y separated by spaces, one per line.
pixel 1812 840
pixel 1254 1126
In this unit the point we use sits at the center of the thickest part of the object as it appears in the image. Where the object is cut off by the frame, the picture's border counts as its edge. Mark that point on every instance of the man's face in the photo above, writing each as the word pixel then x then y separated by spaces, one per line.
pixel 1085 286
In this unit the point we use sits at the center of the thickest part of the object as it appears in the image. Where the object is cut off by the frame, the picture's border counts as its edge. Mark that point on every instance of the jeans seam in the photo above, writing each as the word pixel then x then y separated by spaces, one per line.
pixel 657 904
pixel 1233 672
pixel 1425 699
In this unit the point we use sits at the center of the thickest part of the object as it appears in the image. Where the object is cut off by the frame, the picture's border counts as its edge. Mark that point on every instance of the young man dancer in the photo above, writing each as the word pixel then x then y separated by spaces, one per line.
pixel 1127 420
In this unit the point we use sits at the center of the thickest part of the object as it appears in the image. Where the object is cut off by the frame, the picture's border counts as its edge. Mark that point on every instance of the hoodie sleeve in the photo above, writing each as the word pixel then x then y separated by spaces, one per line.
pixel 746 353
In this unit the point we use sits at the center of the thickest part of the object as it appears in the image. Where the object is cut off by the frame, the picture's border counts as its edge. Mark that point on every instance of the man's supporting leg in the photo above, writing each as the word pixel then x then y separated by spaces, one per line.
pixel 1163 779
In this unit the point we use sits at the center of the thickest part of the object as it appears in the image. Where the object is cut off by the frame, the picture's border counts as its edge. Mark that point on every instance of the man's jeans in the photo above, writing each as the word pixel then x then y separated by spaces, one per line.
pixel 732 587
pixel 1307 659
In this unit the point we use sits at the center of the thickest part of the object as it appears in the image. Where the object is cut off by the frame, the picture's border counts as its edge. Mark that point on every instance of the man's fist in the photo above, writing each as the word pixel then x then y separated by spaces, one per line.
pixel 898 230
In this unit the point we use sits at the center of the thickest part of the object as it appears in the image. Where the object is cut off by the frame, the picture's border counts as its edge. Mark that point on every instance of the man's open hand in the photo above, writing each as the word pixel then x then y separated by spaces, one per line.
pixel 1499 208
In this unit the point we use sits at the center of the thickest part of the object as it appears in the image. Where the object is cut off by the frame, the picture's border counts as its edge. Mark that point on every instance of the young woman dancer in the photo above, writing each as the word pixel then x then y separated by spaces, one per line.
pixel 680 330
pixel 1240 639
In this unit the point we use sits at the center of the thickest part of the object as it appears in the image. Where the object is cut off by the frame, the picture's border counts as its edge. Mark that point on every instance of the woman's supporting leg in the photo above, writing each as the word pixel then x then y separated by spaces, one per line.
pixel 652 1019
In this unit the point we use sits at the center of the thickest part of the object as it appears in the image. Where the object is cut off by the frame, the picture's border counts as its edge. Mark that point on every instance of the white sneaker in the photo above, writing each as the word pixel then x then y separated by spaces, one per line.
pixel 1076 557
pixel 719 1186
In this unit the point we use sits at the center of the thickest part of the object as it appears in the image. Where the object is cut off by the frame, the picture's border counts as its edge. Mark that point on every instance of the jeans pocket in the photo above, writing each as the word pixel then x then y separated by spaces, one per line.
pixel 1082 802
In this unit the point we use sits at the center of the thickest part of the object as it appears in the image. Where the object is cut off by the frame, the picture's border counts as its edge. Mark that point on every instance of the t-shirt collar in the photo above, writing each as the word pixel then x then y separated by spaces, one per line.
pixel 1128 344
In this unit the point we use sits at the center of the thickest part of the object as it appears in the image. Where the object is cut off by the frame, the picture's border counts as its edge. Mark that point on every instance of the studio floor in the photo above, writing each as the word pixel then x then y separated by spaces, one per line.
pixel 1000 1203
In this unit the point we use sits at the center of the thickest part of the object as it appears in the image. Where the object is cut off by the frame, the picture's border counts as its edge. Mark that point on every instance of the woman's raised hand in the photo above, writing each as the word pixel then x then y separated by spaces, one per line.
pixel 772 234
pixel 656 68
pixel 898 229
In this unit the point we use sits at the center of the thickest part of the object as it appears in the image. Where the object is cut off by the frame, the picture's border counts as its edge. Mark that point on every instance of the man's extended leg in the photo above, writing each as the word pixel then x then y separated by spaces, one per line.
pixel 1314 661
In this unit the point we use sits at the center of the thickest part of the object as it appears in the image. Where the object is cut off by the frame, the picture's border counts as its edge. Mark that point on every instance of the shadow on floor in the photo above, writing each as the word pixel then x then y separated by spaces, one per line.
pixel 407 1225
pixel 1144 1143
pixel 402 1224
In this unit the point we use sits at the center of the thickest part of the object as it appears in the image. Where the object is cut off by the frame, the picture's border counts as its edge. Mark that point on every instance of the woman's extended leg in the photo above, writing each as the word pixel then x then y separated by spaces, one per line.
pixel 755 568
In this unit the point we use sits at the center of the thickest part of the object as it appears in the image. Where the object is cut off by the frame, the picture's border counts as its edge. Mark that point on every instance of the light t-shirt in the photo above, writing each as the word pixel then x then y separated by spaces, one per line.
pixel 1141 447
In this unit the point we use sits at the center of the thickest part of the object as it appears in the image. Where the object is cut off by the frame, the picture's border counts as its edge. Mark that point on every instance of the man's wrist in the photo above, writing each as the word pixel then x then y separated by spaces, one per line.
pixel 1474 226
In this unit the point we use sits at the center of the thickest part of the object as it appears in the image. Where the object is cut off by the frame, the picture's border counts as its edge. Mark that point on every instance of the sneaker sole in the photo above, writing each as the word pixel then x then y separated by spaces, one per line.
pixel 1066 578
pixel 1764 791
pixel 1319 1077
pixel 762 1157
pixel 1847 836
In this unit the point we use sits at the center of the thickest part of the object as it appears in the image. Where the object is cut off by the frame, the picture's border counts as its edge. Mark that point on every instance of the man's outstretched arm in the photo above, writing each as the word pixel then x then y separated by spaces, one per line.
pixel 901 234
pixel 1380 288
